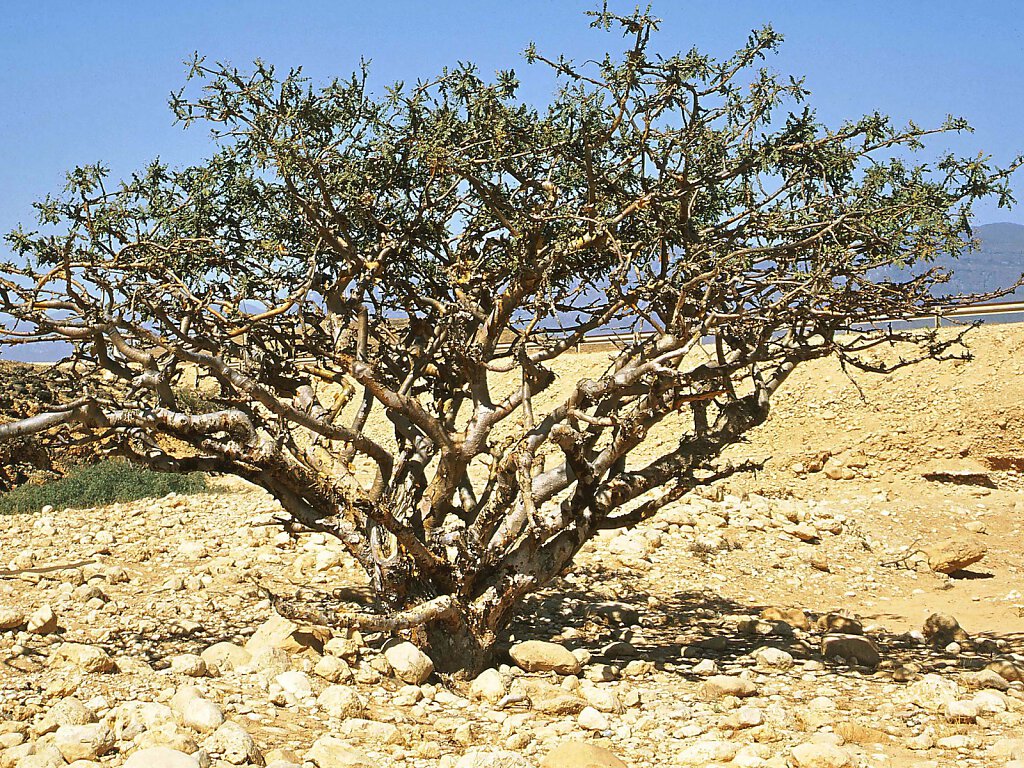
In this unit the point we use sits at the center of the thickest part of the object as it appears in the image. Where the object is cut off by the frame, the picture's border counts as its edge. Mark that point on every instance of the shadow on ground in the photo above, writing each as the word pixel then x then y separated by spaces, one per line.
pixel 676 631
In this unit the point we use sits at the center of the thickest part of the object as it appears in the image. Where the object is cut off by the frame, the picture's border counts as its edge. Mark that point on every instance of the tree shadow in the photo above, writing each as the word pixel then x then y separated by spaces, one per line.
pixel 677 631
pixel 971 575
pixel 674 631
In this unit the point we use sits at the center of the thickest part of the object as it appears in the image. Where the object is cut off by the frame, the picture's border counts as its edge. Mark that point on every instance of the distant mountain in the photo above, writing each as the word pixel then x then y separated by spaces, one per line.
pixel 997 264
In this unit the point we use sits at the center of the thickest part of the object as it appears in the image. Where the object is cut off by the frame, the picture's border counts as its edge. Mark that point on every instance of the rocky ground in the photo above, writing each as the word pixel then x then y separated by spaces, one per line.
pixel 800 617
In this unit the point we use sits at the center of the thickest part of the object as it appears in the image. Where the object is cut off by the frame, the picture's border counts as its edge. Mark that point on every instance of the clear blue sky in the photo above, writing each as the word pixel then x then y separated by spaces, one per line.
pixel 88 81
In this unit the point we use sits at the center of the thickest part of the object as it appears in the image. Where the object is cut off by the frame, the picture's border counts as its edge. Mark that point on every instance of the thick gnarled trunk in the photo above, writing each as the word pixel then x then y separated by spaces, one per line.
pixel 456 647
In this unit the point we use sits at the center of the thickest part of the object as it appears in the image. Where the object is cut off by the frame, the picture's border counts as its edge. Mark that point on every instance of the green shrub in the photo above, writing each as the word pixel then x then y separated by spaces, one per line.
pixel 192 401
pixel 93 485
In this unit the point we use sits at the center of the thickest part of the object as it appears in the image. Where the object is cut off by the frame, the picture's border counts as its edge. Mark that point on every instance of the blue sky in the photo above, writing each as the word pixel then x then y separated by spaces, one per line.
pixel 88 81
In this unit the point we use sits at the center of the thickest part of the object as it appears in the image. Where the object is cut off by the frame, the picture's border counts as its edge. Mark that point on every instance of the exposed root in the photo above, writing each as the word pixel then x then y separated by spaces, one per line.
pixel 514 698
pixel 18 572
pixel 437 609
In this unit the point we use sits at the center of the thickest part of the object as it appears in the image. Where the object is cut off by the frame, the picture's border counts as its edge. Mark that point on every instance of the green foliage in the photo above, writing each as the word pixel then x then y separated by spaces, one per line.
pixel 94 485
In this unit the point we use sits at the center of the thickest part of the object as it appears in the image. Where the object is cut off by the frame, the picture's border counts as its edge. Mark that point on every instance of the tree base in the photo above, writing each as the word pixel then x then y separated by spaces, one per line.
pixel 454 648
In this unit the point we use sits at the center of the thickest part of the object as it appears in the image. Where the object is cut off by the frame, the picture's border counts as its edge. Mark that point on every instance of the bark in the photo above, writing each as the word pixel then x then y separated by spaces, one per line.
pixel 440 626
pixel 458 640
pixel 455 647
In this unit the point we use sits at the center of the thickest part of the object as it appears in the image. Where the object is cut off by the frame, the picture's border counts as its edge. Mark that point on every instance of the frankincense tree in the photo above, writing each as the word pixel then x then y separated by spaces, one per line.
pixel 346 262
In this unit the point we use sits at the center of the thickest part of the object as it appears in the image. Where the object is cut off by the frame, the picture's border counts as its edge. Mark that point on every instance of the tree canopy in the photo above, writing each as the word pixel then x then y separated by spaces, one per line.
pixel 420 259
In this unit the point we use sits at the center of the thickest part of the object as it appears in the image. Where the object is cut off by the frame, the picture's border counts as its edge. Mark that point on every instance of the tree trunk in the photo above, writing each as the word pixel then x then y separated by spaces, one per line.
pixel 455 648
pixel 455 643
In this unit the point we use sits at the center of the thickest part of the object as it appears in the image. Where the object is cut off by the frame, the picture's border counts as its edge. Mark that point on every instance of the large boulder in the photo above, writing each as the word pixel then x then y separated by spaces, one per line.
pixel 602 699
pixel 160 757
pixel 540 656
pixel 856 649
pixel 83 742
pixel 332 752
pixel 11 617
pixel 225 657
pixel 576 754
pixel 769 658
pixel 551 699
pixel 279 632
pixel 500 758
pixel 340 701
pixel 410 664
pixel 489 685
pixel 932 692
pixel 941 629
pixel 720 686
pixel 232 743
pixel 201 715
pixel 954 554
pixel 815 755
pixel 88 658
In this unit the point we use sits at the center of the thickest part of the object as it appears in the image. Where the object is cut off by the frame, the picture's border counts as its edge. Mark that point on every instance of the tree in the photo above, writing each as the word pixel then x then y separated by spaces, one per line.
pixel 420 260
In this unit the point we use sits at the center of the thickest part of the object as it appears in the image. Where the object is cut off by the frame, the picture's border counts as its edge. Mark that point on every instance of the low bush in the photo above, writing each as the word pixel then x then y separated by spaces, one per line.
pixel 94 485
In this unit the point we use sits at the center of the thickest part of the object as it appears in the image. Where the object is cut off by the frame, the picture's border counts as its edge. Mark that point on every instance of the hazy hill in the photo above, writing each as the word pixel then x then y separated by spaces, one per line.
pixel 998 263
